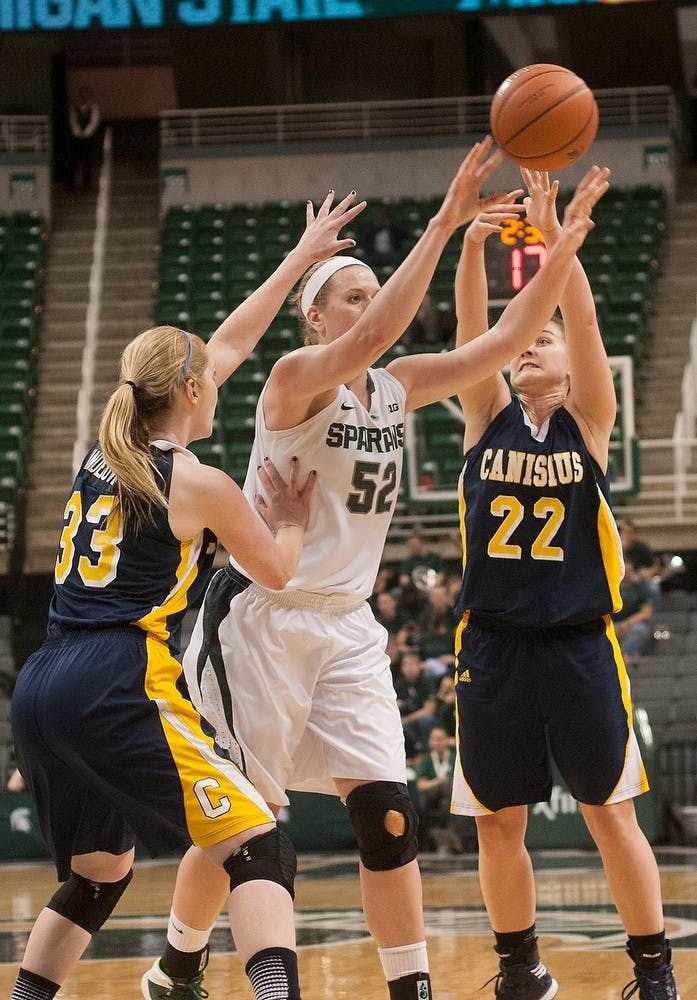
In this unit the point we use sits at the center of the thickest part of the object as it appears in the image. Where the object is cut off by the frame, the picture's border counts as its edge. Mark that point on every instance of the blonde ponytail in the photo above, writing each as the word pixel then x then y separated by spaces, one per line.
pixel 153 367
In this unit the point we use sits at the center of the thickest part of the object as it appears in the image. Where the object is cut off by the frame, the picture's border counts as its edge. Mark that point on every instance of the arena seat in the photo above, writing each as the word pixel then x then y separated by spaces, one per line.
pixel 22 252
pixel 213 256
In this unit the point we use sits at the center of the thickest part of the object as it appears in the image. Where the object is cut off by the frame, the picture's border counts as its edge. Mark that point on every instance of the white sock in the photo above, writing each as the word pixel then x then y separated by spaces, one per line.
pixel 185 938
pixel 404 960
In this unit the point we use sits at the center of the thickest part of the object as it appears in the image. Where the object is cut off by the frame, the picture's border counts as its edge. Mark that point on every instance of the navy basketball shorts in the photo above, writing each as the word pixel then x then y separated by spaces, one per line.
pixel 113 750
pixel 525 694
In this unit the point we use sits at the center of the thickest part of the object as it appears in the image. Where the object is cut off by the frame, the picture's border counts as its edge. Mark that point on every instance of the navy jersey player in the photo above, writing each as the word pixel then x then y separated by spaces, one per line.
pixel 106 737
pixel 311 660
pixel 538 662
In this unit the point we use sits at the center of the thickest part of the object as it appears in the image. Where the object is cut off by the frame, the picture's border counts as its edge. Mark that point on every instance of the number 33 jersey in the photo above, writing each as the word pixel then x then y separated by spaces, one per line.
pixel 357 453
pixel 540 544
pixel 105 577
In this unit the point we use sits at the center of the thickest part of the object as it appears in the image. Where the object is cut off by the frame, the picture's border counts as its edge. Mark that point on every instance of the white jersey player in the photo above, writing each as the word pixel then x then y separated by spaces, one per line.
pixel 297 682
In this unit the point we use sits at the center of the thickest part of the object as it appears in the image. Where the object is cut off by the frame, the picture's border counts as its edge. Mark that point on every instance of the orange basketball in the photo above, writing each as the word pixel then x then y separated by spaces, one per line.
pixel 544 117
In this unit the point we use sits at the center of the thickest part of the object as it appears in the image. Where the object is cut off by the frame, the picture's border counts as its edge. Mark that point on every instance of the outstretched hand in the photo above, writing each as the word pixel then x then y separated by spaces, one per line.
pixel 541 200
pixel 493 219
pixel 463 201
pixel 321 237
pixel 285 505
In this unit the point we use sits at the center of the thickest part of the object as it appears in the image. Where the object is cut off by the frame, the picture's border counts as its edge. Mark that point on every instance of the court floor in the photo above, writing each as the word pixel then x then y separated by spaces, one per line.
pixel 580 936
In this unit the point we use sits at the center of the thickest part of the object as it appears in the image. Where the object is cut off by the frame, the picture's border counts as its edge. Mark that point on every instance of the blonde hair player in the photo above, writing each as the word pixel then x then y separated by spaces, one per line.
pixel 538 663
pixel 109 745
pixel 297 681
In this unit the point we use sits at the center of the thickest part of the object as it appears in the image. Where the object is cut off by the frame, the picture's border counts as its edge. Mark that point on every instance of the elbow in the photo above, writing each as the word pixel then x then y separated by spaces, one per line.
pixel 273 577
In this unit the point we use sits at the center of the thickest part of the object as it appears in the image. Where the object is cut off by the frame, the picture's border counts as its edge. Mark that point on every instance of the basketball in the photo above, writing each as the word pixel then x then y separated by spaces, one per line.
pixel 544 117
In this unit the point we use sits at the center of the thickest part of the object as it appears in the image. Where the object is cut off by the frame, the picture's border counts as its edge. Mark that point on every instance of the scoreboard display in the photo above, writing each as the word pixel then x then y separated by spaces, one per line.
pixel 59 15
pixel 513 258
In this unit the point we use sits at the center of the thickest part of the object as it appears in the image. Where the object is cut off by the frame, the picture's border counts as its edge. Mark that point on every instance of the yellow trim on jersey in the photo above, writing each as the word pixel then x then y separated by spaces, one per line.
pixel 155 621
pixel 219 801
pixel 642 781
pixel 610 550
pixel 462 505
pixel 458 646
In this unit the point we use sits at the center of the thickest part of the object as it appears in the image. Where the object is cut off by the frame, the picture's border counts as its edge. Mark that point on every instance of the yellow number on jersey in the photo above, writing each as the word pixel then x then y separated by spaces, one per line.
pixel 512 511
pixel 104 542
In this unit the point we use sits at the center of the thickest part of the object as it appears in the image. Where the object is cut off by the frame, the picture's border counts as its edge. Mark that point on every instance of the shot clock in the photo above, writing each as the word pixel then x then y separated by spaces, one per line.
pixel 513 258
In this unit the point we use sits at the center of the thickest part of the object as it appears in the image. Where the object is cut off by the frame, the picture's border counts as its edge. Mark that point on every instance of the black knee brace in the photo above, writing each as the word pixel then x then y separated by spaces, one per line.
pixel 368 806
pixel 88 904
pixel 270 856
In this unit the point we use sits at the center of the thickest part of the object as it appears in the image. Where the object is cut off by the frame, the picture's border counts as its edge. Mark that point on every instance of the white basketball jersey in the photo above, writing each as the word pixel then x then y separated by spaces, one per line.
pixel 357 453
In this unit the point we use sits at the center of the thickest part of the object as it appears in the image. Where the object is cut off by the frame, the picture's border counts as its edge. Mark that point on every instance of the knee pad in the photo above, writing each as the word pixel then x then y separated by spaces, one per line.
pixel 88 904
pixel 270 856
pixel 368 808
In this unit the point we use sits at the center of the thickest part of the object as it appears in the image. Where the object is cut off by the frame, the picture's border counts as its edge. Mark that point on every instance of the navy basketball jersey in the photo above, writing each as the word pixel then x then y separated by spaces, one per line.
pixel 105 577
pixel 540 544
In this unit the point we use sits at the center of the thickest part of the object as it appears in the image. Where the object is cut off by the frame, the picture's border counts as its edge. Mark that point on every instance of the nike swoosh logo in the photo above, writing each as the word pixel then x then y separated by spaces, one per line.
pixel 177 929
pixel 347 406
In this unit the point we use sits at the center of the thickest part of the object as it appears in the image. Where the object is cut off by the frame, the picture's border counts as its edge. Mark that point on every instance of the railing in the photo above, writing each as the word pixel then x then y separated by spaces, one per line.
pixel 94 307
pixel 24 134
pixel 368 121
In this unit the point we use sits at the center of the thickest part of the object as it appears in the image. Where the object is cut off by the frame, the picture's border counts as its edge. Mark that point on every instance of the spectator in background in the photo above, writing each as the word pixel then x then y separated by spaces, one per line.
pixel 437 640
pixel 647 565
pixel 416 699
pixel 633 620
pixel 84 118
pixel 386 613
pixel 423 565
pixel 432 326
pixel 444 713
pixel 412 605
pixel 434 784
pixel 385 243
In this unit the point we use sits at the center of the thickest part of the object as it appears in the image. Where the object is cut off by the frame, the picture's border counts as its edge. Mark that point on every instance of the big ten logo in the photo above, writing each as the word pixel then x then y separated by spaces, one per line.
pixel 561 803
pixel 175 182
pixel 23 189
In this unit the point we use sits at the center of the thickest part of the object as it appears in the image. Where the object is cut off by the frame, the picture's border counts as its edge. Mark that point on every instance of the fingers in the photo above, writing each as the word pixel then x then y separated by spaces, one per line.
pixel 490 165
pixel 310 483
pixel 326 204
pixel 270 477
pixel 309 214
pixel 351 213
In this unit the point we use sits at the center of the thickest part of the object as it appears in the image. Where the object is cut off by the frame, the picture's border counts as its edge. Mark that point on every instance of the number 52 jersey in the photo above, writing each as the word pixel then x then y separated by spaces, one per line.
pixel 540 544
pixel 357 453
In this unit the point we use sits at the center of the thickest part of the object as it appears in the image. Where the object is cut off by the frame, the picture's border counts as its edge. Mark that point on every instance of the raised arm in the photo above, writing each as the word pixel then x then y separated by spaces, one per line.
pixel 238 335
pixel 305 374
pixel 592 398
pixel 481 400
pixel 429 377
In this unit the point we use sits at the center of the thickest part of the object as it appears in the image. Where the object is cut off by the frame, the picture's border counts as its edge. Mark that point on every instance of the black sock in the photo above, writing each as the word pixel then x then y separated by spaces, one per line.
pixel 30 986
pixel 415 986
pixel 517 947
pixel 273 973
pixel 649 951
pixel 185 965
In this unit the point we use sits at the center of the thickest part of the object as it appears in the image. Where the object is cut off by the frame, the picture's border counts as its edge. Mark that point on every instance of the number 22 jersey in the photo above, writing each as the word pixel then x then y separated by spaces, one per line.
pixel 540 544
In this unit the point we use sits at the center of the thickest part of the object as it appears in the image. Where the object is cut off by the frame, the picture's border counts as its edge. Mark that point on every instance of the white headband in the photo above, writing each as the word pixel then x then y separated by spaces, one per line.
pixel 321 276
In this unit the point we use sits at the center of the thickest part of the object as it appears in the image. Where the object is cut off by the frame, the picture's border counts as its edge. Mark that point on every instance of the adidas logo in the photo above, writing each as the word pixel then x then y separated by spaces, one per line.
pixel 464 676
